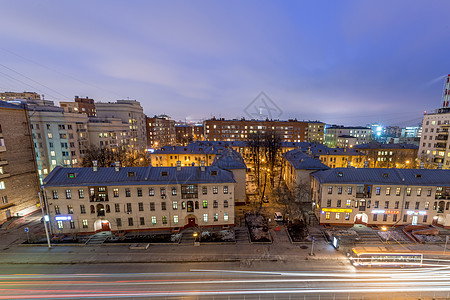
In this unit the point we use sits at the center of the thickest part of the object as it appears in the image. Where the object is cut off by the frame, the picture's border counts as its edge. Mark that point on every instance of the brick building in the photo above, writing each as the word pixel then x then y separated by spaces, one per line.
pixel 19 182
pixel 160 131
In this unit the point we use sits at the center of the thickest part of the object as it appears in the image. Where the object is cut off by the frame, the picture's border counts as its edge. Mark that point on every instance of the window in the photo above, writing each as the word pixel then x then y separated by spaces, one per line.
pixel 92 209
pixel 164 220
pixel 225 189
pixel 139 192
pixel 417 205
pixel 82 209
pixel 394 218
pixel 375 217
pixel 339 190
pixel 127 193
pixel 116 192
pixel 349 190
pixel 215 190
pixel 337 216
pixel 396 205
pixel 55 194
pixel 81 194
pixel 408 191
pixel 50 136
pixel 141 206
pixel 330 190
pixel 425 218
pixel 163 205
pixel 428 192
pixel 117 207
pixel 151 192
pixel 119 222
pixel 204 190
pixel 419 191
pixel 386 204
pixel 225 203
pixel 130 221
pixel 216 217
pixel 328 203
pixel 142 221
pixel 205 203
pixel 397 191
pixel 377 203
pixel 174 191
pixel 327 215
pixel 338 204
pixel 377 190
pixel 163 191
pixel 427 205
pixel 405 217
pixel 60 225
pixel 349 203
pixel 175 219
pixel 205 218
pixel 406 204
pixel 174 205
pixel 388 191
pixel 347 216
pixel 68 194
pixel 57 212
pixel 153 220
pixel 69 209
pixel 152 206
pixel 225 217
pixel 129 209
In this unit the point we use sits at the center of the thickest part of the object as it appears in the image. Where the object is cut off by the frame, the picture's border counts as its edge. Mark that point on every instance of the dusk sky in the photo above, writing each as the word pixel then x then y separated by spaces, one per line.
pixel 340 62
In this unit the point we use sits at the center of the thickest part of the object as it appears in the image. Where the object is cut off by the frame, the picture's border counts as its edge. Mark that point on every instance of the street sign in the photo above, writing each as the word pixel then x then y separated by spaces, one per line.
pixel 26 229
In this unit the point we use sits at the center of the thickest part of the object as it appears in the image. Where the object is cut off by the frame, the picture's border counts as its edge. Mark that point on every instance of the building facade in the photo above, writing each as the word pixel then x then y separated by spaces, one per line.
pixel 375 196
pixel 389 155
pixel 160 131
pixel 130 112
pixel 362 135
pixel 19 182
pixel 241 129
pixel 108 133
pixel 87 200
pixel 81 106
pixel 7 96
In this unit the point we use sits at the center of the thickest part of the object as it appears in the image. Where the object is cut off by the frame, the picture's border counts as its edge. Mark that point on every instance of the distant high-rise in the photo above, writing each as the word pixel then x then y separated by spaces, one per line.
pixel 446 93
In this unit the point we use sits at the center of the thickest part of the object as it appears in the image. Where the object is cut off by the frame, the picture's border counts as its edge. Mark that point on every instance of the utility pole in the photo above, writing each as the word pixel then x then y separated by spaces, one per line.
pixel 45 222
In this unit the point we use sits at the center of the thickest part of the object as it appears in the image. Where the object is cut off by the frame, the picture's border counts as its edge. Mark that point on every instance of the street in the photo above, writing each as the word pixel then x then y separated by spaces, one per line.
pixel 318 280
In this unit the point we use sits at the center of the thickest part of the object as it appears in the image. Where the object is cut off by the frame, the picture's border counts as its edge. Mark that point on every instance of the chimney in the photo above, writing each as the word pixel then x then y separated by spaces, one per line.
pixel 422 165
pixel 117 164
pixel 366 164
pixel 94 165
pixel 439 166
pixel 178 165
pixel 202 166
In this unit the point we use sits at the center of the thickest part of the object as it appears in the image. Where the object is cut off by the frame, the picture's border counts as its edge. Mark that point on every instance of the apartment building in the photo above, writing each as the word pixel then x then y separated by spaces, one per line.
pixel 80 105
pixel 376 196
pixel 361 135
pixel 316 132
pixel 108 133
pixel 239 130
pixel 190 155
pixel 19 183
pixel 160 131
pixel 87 200
pixel 8 96
pixel 389 155
pixel 130 112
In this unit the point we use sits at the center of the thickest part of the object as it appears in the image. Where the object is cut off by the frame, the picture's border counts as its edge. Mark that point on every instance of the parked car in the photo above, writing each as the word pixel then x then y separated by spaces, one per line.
pixel 278 217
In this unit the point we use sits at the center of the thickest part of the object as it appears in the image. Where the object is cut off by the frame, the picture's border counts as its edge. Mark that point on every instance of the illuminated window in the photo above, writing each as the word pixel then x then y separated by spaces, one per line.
pixel 85 223
pixel 60 225
pixel 388 191
pixel 205 218
pixel 327 215
pixel 337 216
pixel 349 203
pixel 397 192
pixel 216 217
pixel 153 220
pixel 164 220
pixel 205 203
pixel 175 219
pixel 225 217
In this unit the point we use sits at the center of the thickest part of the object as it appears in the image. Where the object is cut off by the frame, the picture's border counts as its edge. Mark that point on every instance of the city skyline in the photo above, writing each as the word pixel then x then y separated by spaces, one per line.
pixel 349 63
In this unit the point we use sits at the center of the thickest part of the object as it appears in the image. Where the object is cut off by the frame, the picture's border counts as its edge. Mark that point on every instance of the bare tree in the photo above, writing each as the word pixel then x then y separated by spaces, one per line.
pixel 106 157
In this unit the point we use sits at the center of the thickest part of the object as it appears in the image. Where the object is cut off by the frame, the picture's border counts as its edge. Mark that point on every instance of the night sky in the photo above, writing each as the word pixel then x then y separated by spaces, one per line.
pixel 341 62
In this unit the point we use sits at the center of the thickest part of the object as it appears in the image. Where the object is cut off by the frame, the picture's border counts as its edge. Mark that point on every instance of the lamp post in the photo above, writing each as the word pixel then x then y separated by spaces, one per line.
pixel 45 222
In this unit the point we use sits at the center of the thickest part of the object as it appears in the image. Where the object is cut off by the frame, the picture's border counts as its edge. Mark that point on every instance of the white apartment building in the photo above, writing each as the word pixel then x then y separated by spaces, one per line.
pixel 109 133
pixel 358 135
pixel 375 196
pixel 130 112
pixel 87 200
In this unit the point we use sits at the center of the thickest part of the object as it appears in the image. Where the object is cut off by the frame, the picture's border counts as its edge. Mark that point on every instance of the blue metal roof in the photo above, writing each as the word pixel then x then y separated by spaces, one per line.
pixel 302 161
pixel 143 176
pixel 375 145
pixel 193 148
pixel 417 177
pixel 4 104
pixel 229 160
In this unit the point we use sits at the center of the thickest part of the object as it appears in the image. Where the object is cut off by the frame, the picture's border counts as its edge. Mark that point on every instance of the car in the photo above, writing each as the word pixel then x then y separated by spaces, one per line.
pixel 278 217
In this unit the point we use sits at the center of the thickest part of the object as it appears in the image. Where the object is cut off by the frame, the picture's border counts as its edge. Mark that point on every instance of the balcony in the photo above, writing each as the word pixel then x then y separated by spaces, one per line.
pixel 363 195
pixel 98 199
pixel 441 146
pixel 189 196
pixel 442 137
pixel 2 148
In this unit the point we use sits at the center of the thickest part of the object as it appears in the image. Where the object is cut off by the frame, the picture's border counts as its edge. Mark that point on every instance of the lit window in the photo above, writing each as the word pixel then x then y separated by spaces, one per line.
pixel 85 223
pixel 60 225
pixel 153 220
pixel 205 218
pixel 327 215
pixel 205 203
pixel 225 217
pixel 175 219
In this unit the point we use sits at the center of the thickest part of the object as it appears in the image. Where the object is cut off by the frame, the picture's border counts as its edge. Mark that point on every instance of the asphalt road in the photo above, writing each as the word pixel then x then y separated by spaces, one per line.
pixel 309 280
